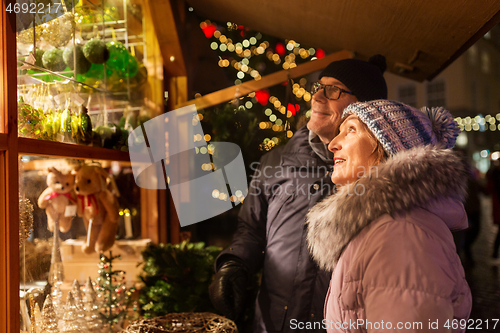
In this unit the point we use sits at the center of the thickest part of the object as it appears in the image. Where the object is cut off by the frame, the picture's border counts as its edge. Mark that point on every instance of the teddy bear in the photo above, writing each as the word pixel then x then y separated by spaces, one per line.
pixel 57 198
pixel 98 207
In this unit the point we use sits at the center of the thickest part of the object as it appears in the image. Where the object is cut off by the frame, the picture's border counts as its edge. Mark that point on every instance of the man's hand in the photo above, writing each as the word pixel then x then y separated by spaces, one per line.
pixel 228 290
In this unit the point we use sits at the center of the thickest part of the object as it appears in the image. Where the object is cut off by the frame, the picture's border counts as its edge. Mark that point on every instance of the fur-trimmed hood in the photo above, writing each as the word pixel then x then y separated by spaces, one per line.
pixel 414 178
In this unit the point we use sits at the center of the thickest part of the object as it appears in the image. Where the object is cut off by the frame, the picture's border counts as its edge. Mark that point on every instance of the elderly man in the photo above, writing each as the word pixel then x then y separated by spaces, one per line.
pixel 271 231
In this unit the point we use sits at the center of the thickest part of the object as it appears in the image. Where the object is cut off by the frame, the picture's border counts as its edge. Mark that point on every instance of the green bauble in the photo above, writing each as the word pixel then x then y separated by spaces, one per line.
pixel 118 56
pixel 132 67
pixel 82 64
pixel 95 51
pixel 96 72
pixel 53 60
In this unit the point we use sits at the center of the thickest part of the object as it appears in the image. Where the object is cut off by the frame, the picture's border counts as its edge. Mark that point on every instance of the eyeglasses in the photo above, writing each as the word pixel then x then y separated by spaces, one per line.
pixel 330 91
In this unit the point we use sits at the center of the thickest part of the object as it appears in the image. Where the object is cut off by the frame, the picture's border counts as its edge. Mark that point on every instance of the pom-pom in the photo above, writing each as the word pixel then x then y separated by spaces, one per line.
pixel 443 125
pixel 379 61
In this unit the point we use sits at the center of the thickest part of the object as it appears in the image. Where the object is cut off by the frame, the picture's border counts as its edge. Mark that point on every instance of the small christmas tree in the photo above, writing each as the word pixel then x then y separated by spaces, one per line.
pixel 49 317
pixel 71 322
pixel 116 298
pixel 57 300
pixel 77 294
pixel 92 314
pixel 38 318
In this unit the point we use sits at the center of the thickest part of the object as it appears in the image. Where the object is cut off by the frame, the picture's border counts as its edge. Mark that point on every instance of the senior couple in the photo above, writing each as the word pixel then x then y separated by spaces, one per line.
pixel 376 255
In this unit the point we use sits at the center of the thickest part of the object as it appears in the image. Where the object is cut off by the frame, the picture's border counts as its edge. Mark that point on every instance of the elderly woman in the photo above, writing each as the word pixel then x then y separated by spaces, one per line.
pixel 386 233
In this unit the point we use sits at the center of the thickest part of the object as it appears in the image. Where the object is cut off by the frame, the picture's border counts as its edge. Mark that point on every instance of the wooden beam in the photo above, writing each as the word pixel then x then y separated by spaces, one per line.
pixel 67 150
pixel 163 18
pixel 270 80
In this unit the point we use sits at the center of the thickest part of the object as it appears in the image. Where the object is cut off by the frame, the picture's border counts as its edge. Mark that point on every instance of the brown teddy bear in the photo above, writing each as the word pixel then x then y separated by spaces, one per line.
pixel 98 206
pixel 57 198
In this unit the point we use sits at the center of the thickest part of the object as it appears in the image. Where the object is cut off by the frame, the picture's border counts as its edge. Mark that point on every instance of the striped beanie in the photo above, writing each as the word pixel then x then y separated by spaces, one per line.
pixel 400 127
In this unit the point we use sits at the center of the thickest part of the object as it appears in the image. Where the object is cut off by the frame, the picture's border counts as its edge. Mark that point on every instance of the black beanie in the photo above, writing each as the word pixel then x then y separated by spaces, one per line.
pixel 364 79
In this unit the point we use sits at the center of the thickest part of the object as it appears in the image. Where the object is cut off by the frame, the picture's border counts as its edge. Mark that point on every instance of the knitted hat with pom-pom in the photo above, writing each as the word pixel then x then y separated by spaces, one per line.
pixel 364 79
pixel 401 127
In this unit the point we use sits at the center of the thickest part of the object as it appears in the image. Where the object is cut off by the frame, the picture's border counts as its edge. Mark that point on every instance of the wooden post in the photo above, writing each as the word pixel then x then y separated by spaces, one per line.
pixel 9 176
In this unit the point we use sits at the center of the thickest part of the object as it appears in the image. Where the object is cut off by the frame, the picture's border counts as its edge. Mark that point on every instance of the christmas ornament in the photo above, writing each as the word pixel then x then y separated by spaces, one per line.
pixel 32 316
pixel 132 67
pixel 53 60
pixel 77 294
pixel 38 318
pixel 82 64
pixel 81 127
pixel 59 31
pixel 26 36
pixel 25 219
pixel 49 317
pixel 57 300
pixel 95 51
pixel 96 71
pixel 29 120
pixel 71 321
pixel 118 56
pixel 56 272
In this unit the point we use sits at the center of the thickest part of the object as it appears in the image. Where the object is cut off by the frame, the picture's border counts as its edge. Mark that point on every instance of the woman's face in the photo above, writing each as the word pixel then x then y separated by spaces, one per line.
pixel 354 151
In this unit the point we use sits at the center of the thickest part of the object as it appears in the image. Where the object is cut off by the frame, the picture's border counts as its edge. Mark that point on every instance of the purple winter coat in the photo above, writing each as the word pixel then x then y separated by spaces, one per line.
pixel 388 242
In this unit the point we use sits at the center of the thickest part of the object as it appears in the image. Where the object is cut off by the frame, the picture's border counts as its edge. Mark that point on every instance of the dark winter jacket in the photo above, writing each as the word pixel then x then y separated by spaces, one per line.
pixel 271 235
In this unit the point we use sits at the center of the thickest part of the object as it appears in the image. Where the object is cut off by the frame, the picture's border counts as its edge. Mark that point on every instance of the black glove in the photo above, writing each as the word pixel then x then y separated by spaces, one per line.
pixel 228 290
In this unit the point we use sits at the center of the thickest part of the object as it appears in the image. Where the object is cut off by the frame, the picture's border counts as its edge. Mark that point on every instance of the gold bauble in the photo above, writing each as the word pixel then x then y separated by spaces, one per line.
pixel 26 36
pixel 59 31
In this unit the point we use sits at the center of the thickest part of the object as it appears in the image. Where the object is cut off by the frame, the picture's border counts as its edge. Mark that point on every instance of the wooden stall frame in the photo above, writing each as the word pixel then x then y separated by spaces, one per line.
pixel 270 80
pixel 9 176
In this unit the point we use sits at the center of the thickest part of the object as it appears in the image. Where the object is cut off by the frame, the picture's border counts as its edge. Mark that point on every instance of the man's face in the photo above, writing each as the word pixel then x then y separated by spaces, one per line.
pixel 325 113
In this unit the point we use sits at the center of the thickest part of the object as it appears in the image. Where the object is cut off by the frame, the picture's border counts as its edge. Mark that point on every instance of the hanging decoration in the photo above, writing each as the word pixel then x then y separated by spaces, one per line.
pixel 25 219
pixel 58 32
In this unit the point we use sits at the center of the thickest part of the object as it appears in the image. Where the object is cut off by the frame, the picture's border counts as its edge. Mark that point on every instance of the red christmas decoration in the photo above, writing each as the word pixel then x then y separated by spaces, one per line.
pixel 262 96
pixel 280 49
pixel 320 53
pixel 293 108
pixel 208 30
